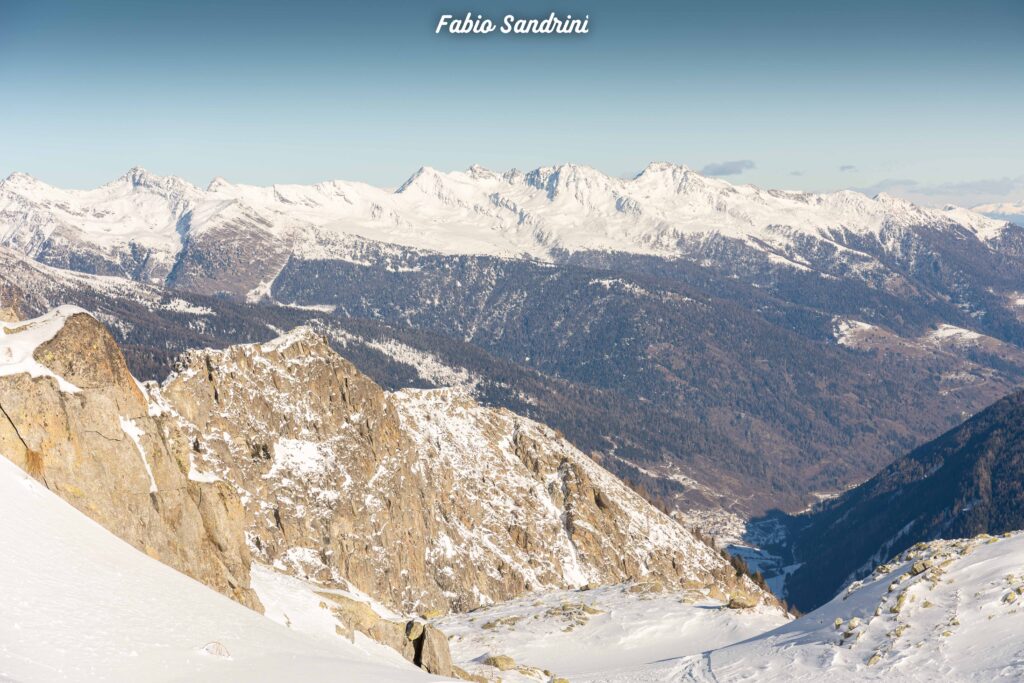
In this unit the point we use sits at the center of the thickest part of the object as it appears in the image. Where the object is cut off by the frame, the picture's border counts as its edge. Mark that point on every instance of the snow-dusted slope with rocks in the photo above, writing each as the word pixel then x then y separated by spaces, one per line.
pixel 79 604
pixel 423 499
pixel 589 635
pixel 142 221
pixel 945 610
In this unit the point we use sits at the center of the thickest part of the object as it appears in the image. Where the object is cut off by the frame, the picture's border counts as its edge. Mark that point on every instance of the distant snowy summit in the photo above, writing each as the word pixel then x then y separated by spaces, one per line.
pixel 538 214
pixel 1011 211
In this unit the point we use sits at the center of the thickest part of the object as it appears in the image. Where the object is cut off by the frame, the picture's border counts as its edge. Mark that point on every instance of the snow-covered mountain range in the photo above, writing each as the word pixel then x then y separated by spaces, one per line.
pixel 596 304
pixel 145 219
pixel 657 603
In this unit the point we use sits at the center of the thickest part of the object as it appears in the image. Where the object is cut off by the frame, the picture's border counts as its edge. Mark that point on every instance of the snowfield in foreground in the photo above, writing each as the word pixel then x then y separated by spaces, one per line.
pixel 942 611
pixel 79 604
pixel 589 635
pixel 948 610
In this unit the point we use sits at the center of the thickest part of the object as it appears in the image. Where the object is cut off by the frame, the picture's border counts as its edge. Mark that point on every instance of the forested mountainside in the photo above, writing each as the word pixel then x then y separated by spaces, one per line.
pixel 720 345
pixel 966 482
pixel 726 391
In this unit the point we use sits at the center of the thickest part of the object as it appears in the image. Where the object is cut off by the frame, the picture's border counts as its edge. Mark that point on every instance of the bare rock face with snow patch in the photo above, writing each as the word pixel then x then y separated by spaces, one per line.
pixel 74 418
pixel 423 499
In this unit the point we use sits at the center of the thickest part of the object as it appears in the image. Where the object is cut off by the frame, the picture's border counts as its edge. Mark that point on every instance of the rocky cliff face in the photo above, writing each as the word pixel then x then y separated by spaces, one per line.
pixel 424 499
pixel 73 417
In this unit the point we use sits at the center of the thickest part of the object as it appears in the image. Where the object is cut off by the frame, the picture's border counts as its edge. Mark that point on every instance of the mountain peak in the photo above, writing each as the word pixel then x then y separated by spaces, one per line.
pixel 170 187
pixel 19 176
pixel 662 167
pixel 217 183
pixel 421 172
pixel 20 181
pixel 137 176
pixel 478 172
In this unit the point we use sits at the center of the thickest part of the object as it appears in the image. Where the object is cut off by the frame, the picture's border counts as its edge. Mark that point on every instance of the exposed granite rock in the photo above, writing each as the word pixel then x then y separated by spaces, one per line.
pixel 8 313
pixel 102 450
pixel 740 602
pixel 424 500
pixel 432 653
pixel 422 644
pixel 500 662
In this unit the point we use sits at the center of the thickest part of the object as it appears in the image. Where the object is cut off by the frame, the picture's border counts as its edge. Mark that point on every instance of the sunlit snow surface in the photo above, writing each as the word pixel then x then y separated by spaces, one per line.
pixel 945 611
pixel 955 620
pixel 78 604
pixel 593 635
pixel 478 211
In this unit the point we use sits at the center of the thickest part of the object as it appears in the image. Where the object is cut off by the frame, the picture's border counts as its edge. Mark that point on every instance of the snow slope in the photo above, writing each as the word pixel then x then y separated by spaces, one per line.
pixel 582 635
pixel 19 341
pixel 945 610
pixel 78 604
pixel 948 610
pixel 478 211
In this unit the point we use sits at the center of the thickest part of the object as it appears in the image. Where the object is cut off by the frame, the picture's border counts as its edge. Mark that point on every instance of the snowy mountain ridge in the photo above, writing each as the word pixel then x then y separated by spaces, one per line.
pixel 478 211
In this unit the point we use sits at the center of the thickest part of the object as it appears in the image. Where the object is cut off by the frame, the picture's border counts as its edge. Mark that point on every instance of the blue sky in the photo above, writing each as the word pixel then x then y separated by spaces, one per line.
pixel 923 99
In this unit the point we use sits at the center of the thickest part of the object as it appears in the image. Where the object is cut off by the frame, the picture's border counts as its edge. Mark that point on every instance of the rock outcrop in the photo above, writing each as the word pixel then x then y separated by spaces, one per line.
pixel 423 499
pixel 74 418
pixel 422 644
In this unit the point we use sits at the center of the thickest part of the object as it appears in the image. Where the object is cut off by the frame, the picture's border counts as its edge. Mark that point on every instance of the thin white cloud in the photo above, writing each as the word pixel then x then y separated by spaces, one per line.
pixel 961 193
pixel 728 167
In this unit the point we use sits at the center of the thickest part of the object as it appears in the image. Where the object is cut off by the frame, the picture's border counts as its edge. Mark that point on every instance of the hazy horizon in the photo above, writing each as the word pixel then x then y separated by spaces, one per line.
pixel 920 100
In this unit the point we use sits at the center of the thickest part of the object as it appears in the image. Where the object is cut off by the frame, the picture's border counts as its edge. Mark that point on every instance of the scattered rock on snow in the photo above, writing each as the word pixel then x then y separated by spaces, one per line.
pixel 500 662
pixel 741 602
